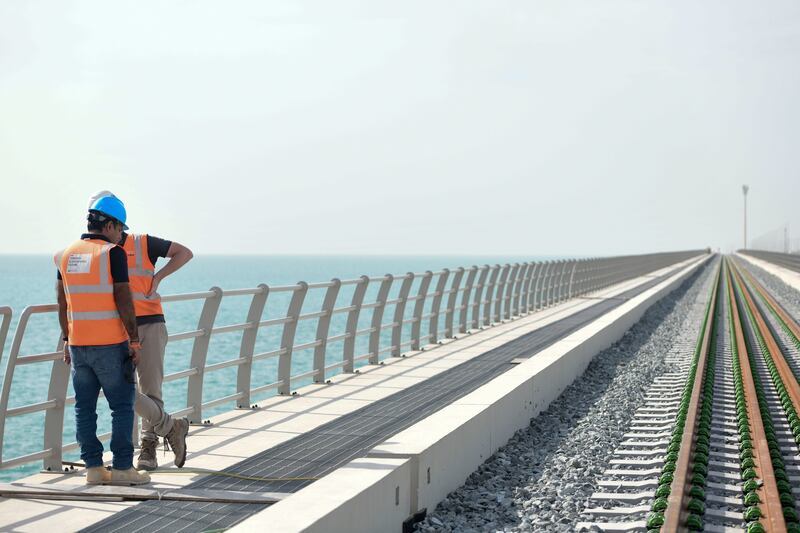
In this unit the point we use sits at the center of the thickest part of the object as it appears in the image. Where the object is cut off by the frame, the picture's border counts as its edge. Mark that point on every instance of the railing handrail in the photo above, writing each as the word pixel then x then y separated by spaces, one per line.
pixel 446 303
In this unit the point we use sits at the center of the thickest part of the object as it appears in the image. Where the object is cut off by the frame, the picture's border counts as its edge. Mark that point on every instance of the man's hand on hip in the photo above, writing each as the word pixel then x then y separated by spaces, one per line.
pixel 153 287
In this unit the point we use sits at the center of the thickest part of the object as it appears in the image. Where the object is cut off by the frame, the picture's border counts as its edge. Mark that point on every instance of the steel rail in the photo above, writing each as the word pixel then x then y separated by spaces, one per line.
pixel 771 507
pixel 677 512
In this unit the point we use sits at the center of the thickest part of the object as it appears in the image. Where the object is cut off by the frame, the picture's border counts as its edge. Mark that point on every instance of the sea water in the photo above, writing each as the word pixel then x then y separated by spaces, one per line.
pixel 30 280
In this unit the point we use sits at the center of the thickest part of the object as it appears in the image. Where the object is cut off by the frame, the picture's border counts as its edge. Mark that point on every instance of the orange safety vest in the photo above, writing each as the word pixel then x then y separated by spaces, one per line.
pixel 91 309
pixel 140 272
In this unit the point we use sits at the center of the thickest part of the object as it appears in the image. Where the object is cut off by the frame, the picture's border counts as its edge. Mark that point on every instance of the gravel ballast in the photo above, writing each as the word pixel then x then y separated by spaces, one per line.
pixel 541 479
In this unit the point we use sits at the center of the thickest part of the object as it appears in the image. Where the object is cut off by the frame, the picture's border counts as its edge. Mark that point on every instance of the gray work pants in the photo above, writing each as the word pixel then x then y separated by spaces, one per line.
pixel 150 370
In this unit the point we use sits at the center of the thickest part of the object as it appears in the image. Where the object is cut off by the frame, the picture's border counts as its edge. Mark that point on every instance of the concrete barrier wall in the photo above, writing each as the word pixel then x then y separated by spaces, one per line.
pixel 435 456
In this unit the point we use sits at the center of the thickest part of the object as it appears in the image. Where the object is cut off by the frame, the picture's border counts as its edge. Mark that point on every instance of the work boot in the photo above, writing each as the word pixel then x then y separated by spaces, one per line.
pixel 128 477
pixel 97 475
pixel 147 455
pixel 176 439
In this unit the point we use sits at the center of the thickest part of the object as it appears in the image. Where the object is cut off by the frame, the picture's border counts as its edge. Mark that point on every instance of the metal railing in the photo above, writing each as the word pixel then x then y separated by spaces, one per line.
pixel 444 304
pixel 790 261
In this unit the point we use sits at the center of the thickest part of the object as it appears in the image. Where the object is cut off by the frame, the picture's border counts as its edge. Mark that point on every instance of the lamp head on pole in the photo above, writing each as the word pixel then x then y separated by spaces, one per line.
pixel 745 188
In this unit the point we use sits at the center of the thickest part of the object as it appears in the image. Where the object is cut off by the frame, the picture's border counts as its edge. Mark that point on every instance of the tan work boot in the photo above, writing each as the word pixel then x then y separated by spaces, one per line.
pixel 97 475
pixel 147 455
pixel 176 439
pixel 128 477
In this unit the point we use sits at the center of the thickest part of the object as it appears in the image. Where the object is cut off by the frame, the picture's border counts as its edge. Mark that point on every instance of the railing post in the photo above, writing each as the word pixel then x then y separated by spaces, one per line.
pixel 194 394
pixel 323 327
pixel 399 314
pixel 377 318
pixel 54 418
pixel 541 281
pixel 586 282
pixel 574 284
pixel 581 266
pixel 476 305
pixel 452 299
pixel 287 339
pixel 512 290
pixel 605 273
pixel 562 281
pixel 524 269
pixel 556 287
pixel 552 294
pixel 487 303
pixel 419 309
pixel 348 350
pixel 553 281
pixel 498 298
pixel 572 278
pixel 562 293
pixel 590 276
pixel 608 269
pixel 248 346
pixel 535 284
pixel 436 305
pixel 9 376
pixel 465 306
pixel 525 304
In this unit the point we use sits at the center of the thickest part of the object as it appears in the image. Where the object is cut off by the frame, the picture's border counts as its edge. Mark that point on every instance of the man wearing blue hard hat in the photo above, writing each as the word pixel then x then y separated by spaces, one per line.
pixel 101 340
pixel 142 252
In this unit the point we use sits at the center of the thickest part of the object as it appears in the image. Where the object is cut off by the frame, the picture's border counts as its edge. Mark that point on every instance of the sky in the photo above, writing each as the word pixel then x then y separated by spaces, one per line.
pixel 542 127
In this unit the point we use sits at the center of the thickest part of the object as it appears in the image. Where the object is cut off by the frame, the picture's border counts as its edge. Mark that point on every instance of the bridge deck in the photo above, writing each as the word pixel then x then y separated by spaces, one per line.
pixel 320 429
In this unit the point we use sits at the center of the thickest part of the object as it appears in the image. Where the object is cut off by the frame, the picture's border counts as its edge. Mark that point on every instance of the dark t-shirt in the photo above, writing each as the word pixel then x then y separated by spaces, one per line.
pixel 118 260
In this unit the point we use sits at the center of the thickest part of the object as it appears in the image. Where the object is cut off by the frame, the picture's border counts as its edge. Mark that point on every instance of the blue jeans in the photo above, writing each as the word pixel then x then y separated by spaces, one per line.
pixel 109 368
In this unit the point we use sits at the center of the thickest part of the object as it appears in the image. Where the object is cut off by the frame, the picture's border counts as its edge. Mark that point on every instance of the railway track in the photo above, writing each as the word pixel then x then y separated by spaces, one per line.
pixel 716 447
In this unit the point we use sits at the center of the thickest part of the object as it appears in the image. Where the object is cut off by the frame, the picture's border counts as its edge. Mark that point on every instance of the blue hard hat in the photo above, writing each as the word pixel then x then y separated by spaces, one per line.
pixel 112 207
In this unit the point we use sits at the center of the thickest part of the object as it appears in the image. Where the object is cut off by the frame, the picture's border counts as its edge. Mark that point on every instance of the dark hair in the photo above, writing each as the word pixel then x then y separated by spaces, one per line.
pixel 97 221
pixel 95 225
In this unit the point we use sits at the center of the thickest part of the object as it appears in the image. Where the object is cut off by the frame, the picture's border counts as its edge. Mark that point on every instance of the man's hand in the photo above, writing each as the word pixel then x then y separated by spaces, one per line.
pixel 67 356
pixel 153 286
pixel 178 256
pixel 134 348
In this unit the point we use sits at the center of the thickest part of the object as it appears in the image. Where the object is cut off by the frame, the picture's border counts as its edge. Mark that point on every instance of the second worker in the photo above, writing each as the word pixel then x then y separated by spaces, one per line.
pixel 143 251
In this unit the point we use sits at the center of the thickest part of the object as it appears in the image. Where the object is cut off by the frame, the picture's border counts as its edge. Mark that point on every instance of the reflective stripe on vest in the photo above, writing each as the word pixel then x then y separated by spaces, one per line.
pixel 92 315
pixel 141 271
pixel 138 269
pixel 89 289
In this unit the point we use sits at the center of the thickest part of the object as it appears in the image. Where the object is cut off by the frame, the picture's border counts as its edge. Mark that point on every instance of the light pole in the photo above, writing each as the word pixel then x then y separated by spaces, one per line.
pixel 745 188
